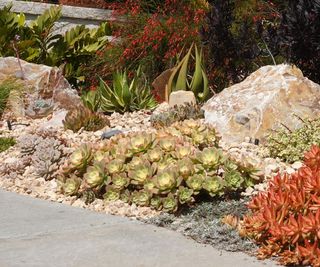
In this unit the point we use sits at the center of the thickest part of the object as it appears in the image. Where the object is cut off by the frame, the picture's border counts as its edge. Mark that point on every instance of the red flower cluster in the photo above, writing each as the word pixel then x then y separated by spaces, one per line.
pixel 159 34
pixel 286 218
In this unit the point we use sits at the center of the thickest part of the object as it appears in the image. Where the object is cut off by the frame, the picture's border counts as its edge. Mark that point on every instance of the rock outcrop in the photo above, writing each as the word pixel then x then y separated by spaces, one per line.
pixel 271 97
pixel 44 88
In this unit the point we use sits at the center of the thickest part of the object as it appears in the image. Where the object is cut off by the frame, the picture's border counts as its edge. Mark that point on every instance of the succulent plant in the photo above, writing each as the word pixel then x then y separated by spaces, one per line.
pixel 92 100
pixel 170 203
pixel 88 196
pixel 120 181
pixel 195 182
pixel 141 173
pixel 111 194
pixel 175 114
pixel 182 151
pixel 233 179
pixel 115 166
pixel 155 154
pixel 141 198
pixel 6 142
pixel 94 176
pixel 185 168
pixel 80 158
pixel 83 117
pixel 214 186
pixel 28 144
pixel 166 181
pixel 125 196
pixel 141 143
pixel 185 195
pixel 71 185
pixel 156 202
pixel 168 144
pixel 209 158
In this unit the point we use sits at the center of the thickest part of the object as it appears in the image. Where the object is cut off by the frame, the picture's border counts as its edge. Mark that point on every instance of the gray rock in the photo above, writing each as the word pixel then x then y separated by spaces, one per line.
pixel 109 134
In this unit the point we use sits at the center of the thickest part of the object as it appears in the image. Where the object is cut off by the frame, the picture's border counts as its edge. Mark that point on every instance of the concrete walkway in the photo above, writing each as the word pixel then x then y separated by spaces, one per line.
pixel 39 233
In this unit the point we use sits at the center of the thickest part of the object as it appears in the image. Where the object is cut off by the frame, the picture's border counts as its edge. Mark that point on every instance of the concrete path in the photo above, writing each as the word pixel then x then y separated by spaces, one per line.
pixel 39 233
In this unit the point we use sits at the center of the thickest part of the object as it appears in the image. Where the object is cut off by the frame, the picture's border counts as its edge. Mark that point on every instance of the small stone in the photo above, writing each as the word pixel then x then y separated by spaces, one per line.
pixel 290 170
pixel 297 165
pixel 109 134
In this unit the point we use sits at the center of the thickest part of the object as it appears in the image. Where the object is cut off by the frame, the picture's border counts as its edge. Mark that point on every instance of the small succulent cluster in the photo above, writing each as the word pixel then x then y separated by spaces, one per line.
pixel 285 220
pixel 6 142
pixel 291 145
pixel 45 153
pixel 163 170
pixel 175 114
pixel 83 117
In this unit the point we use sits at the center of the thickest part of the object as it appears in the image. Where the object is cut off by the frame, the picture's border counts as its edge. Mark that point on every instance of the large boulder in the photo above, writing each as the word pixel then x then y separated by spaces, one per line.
pixel 271 97
pixel 44 88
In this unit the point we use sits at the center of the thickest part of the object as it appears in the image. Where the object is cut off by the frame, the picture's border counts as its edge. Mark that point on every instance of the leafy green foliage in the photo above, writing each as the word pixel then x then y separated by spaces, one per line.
pixel 6 142
pixel 291 145
pixel 164 170
pixel 38 42
pixel 6 87
pixel 198 81
pixel 126 95
pixel 83 117
pixel 175 114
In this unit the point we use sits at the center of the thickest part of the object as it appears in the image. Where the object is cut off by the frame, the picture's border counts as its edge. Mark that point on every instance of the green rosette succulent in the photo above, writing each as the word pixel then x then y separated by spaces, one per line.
pixel 185 168
pixel 125 196
pixel 94 176
pixel 141 173
pixel 150 187
pixel 209 158
pixel 141 142
pixel 154 155
pixel 167 144
pixel 214 186
pixel 120 181
pixel 156 203
pixel 195 182
pixel 99 156
pixel 71 185
pixel 111 194
pixel 163 164
pixel 169 203
pixel 141 198
pixel 233 179
pixel 166 181
pixel 135 161
pixel 185 195
pixel 181 152
pixel 80 158
pixel 115 166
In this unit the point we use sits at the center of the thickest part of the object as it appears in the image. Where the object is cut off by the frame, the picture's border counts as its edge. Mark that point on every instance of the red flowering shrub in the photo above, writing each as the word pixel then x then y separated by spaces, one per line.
pixel 285 220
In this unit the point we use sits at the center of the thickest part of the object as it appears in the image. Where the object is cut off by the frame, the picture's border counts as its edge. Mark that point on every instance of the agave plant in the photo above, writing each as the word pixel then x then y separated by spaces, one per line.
pixel 92 100
pixel 179 79
pixel 125 95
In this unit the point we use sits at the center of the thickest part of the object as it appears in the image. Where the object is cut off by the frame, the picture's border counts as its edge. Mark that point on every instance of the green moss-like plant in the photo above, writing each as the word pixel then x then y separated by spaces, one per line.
pixel 6 142
pixel 176 166
pixel 289 145
pixel 5 88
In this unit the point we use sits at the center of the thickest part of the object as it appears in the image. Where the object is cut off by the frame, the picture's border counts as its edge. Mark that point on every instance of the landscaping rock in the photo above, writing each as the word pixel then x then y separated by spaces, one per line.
pixel 45 88
pixel 181 97
pixel 109 134
pixel 270 97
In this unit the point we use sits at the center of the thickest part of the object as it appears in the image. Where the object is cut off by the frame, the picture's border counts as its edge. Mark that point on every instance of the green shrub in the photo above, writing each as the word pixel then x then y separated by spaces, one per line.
pixel 291 145
pixel 174 167
pixel 6 142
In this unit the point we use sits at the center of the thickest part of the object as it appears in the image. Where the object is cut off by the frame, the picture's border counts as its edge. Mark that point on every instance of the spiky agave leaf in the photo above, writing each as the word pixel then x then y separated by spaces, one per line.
pixel 185 195
pixel 214 186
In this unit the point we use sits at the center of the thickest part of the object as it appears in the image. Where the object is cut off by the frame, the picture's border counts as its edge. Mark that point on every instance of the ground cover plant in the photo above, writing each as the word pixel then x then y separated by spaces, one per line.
pixel 285 219
pixel 6 142
pixel 290 145
pixel 165 170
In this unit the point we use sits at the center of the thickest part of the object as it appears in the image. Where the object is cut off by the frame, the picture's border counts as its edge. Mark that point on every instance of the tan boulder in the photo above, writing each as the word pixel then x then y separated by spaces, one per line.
pixel 44 88
pixel 160 85
pixel 269 98
pixel 182 97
